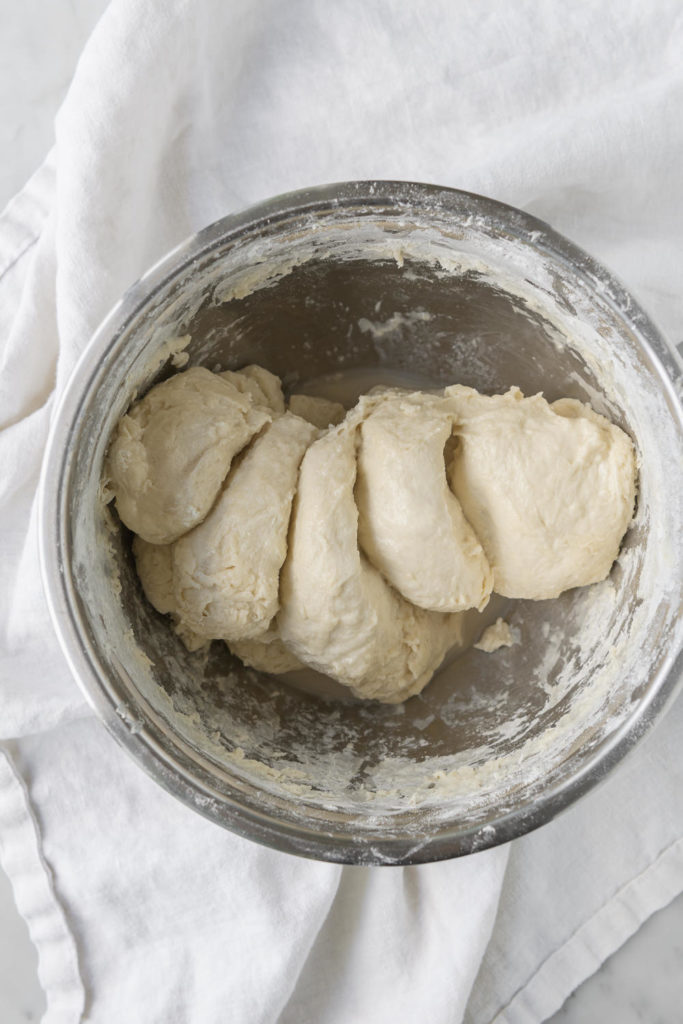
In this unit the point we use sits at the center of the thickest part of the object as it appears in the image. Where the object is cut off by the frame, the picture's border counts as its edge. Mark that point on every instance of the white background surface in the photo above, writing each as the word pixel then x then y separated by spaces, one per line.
pixel 39 47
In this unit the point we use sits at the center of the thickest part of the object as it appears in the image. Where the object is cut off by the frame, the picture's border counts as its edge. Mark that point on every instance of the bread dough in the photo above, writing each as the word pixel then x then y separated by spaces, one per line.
pixel 263 387
pixel 410 524
pixel 338 614
pixel 549 489
pixel 154 564
pixel 267 654
pixel 320 411
pixel 173 449
pixel 353 549
pixel 498 635
pixel 226 571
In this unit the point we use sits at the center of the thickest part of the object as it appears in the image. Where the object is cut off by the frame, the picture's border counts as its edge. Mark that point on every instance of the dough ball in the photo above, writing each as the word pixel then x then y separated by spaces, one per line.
pixel 549 489
pixel 172 451
pixel 338 615
pixel 226 571
pixel 411 525
pixel 321 412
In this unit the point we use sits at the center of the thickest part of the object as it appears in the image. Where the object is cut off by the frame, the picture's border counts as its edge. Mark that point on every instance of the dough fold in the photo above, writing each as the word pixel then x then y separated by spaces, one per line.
pixel 262 386
pixel 154 564
pixel 172 451
pixel 549 489
pixel 411 525
pixel 226 571
pixel 338 614
pixel 352 543
pixel 266 654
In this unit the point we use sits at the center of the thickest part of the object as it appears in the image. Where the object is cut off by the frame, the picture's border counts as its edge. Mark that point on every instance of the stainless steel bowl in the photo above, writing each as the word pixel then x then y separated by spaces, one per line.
pixel 377 279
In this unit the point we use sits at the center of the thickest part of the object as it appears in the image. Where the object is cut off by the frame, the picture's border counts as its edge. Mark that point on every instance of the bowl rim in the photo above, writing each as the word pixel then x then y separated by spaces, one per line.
pixel 141 743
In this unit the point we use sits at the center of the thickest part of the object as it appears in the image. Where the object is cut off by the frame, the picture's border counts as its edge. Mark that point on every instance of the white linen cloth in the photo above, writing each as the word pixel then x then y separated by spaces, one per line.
pixel 179 113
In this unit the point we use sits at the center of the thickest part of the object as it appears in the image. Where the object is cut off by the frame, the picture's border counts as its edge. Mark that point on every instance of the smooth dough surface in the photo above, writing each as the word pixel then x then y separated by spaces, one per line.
pixel 173 449
pixel 411 525
pixel 548 489
pixel 338 614
pixel 226 571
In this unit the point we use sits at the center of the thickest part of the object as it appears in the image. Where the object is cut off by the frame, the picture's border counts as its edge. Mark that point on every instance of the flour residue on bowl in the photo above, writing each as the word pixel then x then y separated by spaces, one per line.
pixel 479 739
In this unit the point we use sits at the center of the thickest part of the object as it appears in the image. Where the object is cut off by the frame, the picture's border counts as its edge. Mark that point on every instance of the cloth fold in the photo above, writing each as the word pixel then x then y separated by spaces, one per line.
pixel 178 114
pixel 21 858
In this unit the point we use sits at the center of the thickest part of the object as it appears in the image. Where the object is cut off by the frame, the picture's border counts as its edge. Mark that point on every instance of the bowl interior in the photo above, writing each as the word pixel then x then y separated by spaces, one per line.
pixel 335 297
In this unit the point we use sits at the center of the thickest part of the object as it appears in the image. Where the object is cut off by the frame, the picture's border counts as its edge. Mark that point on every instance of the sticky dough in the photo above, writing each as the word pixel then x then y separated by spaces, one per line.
pixel 319 411
pixel 173 449
pixel 411 526
pixel 354 548
pixel 226 571
pixel 267 654
pixel 262 386
pixel 548 489
pixel 154 564
pixel 338 613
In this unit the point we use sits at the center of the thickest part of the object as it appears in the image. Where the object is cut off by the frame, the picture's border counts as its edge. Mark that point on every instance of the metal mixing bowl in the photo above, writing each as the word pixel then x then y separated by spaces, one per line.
pixel 374 280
